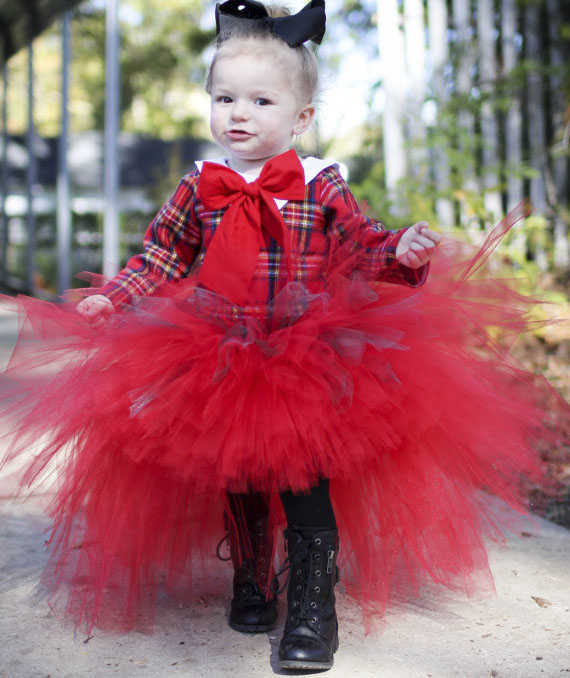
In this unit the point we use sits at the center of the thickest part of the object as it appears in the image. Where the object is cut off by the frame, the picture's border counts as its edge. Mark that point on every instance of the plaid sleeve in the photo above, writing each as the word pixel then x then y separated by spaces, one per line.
pixel 171 243
pixel 378 258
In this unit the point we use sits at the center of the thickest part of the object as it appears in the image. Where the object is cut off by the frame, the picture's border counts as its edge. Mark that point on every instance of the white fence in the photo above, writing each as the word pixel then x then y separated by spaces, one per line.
pixel 504 61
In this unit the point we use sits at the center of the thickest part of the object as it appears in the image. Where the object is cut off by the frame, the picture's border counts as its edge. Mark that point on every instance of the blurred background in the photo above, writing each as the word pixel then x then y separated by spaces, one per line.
pixel 447 110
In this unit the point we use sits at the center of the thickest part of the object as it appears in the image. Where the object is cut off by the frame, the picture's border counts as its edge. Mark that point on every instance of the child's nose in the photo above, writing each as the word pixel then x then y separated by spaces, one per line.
pixel 240 110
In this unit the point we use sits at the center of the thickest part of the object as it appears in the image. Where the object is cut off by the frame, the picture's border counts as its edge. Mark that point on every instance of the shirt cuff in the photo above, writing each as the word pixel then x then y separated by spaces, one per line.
pixel 117 294
pixel 413 277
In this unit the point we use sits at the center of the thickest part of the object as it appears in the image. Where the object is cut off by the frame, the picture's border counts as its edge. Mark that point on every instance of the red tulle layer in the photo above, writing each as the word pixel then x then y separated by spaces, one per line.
pixel 398 395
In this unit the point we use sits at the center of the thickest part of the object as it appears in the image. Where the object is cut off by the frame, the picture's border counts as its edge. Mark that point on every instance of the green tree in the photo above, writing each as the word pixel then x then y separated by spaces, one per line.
pixel 161 67
pixel 162 71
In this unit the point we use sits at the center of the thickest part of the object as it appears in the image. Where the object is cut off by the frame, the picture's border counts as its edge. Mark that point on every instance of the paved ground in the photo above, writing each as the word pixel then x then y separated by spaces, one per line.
pixel 522 631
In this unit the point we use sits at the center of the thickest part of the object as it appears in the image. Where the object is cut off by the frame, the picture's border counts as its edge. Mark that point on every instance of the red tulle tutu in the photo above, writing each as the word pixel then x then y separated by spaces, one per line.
pixel 400 396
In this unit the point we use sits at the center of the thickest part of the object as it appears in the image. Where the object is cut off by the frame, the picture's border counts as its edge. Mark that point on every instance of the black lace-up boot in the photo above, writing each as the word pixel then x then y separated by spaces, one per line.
pixel 254 604
pixel 310 637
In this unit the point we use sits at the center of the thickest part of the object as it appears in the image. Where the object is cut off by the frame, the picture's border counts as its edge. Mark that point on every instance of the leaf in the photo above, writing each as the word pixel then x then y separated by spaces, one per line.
pixel 541 602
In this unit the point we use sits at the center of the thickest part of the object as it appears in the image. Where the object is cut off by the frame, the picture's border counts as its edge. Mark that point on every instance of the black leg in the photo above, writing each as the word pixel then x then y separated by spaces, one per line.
pixel 254 605
pixel 310 637
pixel 311 509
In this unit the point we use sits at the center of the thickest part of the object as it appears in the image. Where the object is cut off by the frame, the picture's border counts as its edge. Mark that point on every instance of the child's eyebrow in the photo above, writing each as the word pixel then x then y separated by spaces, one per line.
pixel 227 89
pixel 265 92
pixel 222 89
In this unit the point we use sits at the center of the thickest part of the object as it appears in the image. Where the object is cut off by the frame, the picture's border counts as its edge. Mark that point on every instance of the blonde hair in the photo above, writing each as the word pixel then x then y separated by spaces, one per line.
pixel 245 39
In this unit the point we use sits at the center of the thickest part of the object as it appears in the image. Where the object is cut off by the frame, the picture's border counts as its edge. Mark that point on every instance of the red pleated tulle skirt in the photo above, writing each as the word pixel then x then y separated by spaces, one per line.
pixel 403 397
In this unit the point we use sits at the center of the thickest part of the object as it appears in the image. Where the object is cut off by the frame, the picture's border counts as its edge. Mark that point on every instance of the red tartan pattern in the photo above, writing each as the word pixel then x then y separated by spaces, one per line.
pixel 177 238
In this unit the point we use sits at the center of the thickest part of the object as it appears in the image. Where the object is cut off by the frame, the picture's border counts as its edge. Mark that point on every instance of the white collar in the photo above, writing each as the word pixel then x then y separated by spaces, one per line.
pixel 311 167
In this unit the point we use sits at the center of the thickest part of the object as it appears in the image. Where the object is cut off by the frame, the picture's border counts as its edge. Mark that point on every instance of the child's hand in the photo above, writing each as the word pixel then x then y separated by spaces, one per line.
pixel 417 245
pixel 95 309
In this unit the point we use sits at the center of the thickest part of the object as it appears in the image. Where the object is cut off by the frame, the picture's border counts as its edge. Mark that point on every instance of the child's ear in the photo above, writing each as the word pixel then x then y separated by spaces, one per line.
pixel 304 119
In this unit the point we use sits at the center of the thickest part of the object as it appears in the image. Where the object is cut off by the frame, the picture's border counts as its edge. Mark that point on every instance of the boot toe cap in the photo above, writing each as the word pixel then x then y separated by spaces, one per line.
pixel 306 650
pixel 254 618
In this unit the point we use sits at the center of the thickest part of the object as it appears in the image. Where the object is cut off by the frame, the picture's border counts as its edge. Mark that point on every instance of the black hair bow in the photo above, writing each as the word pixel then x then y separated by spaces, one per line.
pixel 246 15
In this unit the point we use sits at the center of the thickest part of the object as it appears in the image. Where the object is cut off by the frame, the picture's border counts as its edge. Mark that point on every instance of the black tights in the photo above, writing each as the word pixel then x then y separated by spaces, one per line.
pixel 311 509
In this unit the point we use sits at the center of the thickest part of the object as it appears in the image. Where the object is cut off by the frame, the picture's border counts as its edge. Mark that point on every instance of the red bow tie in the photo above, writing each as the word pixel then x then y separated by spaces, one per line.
pixel 232 255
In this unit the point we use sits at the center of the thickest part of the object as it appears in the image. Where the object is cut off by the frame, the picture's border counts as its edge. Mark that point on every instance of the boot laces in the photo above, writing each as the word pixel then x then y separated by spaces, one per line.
pixel 298 556
pixel 298 559
pixel 247 588
pixel 224 539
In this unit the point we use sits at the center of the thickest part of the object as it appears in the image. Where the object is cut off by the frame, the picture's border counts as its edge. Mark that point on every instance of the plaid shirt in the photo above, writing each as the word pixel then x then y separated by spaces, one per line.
pixel 177 239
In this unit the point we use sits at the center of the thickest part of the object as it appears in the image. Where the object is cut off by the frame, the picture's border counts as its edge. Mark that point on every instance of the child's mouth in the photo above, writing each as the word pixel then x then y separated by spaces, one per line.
pixel 237 134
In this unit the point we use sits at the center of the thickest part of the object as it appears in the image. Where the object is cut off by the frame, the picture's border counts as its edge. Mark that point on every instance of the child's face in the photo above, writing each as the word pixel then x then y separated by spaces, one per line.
pixel 254 109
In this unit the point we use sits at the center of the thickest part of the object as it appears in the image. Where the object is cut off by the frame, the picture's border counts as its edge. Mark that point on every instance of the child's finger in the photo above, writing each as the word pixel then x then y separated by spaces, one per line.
pixel 434 237
pixel 424 242
pixel 425 229
pixel 416 246
pixel 411 259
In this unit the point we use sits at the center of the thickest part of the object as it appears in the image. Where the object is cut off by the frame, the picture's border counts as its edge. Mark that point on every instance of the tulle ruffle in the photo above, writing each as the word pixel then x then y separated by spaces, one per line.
pixel 403 397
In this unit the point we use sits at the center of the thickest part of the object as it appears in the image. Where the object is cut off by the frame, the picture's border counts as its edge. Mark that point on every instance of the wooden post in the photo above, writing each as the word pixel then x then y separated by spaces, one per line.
pixel 111 223
pixel 513 118
pixel 63 191
pixel 536 122
pixel 416 94
pixel 439 55
pixel 559 159
pixel 466 124
pixel 31 179
pixel 4 172
pixel 490 141
pixel 391 45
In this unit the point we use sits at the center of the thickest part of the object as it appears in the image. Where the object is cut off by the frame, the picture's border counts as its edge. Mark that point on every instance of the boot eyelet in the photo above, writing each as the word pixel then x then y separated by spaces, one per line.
pixel 317 573
pixel 317 589
pixel 299 587
pixel 313 604
pixel 317 541
pixel 316 556
pixel 299 573
pixel 314 620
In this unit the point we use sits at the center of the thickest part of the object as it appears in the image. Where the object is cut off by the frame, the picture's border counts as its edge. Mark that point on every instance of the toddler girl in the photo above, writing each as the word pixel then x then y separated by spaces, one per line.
pixel 262 84
pixel 262 352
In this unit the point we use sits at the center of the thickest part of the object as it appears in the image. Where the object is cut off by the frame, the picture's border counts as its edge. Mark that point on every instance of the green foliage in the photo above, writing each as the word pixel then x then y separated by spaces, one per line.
pixel 160 48
pixel 415 196
pixel 463 152
pixel 161 67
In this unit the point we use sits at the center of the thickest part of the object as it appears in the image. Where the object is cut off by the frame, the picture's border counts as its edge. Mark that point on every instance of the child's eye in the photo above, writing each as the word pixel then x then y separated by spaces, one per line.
pixel 262 101
pixel 223 99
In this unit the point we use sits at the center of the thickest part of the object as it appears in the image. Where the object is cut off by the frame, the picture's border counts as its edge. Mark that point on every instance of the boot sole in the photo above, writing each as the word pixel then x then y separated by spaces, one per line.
pixel 300 664
pixel 252 628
